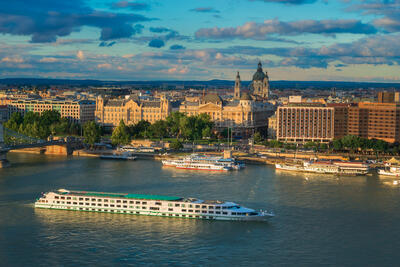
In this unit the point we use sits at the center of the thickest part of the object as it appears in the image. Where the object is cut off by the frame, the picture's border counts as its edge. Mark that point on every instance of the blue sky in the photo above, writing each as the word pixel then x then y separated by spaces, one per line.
pixel 348 40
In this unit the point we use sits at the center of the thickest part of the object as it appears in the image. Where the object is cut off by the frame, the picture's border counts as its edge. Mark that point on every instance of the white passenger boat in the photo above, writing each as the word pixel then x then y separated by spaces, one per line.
pixel 152 205
pixel 328 167
pixel 124 156
pixel 202 162
pixel 390 171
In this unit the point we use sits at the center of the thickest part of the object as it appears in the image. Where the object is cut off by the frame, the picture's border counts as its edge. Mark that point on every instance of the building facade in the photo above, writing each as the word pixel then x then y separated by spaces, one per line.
pixel 78 111
pixel 300 123
pixel 109 112
pixel 243 116
pixel 375 120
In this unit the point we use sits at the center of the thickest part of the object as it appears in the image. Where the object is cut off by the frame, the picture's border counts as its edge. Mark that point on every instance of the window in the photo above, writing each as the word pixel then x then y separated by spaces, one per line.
pixel 124 206
pixel 190 210
pixel 87 199
pixel 204 211
pixel 158 203
pixel 99 204
pixel 93 204
pixel 218 212
pixel 131 202
pixel 124 201
pixel 56 197
pixel 143 208
pixel 217 207
pixel 210 207
pixel 170 209
pixel 210 211
pixel 154 208
pixel 99 200
pixel 62 197
pixel 197 206
pixel 225 213
pixel 176 205
pixel 233 213
pixel 105 205
pixel 75 203
pixel 68 197
pixel 144 203
pixel 112 205
pixel 137 202
pixel 93 199
pixel 197 211
pixel 118 201
pixel 183 210
pixel 68 202
pixel 118 206
pixel 105 200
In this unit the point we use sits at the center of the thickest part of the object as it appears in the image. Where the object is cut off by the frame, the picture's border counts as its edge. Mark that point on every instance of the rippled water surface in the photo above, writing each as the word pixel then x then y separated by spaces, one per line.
pixel 320 220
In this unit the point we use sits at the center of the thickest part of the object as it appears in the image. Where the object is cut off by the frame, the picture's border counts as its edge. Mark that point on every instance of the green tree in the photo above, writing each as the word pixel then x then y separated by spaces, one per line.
pixel 120 135
pixel 173 121
pixel 257 138
pixel 91 132
pixel 176 144
pixel 159 129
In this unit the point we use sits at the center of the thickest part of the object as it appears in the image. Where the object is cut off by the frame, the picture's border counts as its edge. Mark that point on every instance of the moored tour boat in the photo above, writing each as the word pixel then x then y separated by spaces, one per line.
pixel 328 167
pixel 152 205
pixel 201 162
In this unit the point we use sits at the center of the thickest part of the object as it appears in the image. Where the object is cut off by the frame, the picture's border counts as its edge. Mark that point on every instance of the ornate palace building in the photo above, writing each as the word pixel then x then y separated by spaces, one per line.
pixel 244 114
pixel 109 112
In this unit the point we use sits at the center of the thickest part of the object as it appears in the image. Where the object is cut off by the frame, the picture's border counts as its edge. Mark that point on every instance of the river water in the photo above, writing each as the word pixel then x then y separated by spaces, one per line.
pixel 320 219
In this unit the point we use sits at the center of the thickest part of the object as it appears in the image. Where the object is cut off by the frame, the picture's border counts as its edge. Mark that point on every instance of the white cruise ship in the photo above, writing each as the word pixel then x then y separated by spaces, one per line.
pixel 202 162
pixel 152 205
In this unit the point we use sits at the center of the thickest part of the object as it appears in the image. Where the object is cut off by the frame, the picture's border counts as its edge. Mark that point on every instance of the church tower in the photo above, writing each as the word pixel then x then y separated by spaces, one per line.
pixel 265 90
pixel 236 94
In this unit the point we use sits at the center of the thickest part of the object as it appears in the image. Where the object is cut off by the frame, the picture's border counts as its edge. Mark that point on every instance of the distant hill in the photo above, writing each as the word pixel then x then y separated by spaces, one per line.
pixel 209 84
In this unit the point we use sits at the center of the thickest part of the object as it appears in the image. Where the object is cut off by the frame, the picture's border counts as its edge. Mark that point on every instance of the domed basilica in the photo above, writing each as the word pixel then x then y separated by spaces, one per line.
pixel 244 114
pixel 259 86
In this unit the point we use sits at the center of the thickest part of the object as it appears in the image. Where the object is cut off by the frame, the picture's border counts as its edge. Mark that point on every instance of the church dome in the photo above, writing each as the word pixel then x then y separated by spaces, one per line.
pixel 212 98
pixel 259 75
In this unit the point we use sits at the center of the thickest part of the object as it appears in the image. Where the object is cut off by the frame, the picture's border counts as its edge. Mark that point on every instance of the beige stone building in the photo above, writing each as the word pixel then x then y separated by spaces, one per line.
pixel 78 111
pixel 109 112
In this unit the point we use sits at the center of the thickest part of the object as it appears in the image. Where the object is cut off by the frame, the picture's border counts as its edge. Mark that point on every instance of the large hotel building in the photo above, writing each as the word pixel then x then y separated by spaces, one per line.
pixel 303 122
pixel 368 120
pixel 78 111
